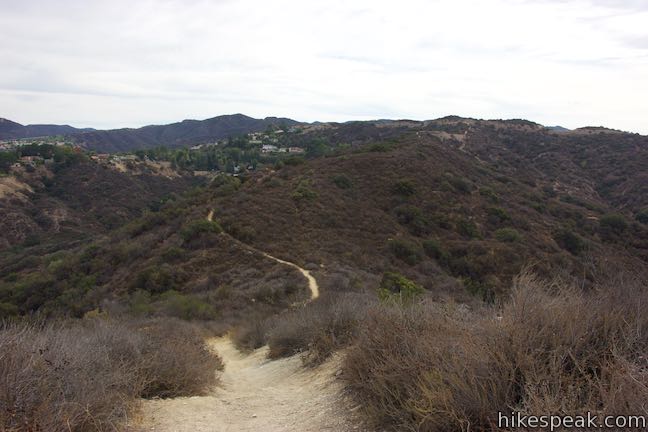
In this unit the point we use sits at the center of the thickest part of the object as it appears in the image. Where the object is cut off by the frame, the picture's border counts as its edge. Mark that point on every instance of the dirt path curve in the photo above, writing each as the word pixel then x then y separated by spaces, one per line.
pixel 312 283
pixel 257 394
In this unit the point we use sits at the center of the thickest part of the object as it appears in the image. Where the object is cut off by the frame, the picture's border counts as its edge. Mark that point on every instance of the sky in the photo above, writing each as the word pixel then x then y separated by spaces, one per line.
pixel 124 63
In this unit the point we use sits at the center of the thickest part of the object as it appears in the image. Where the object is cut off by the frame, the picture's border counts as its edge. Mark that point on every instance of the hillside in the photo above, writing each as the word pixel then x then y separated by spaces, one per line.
pixel 58 203
pixel 13 130
pixel 187 132
pixel 457 205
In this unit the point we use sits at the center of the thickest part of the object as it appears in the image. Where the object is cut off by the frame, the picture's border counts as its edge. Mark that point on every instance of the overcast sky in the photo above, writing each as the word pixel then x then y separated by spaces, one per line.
pixel 129 63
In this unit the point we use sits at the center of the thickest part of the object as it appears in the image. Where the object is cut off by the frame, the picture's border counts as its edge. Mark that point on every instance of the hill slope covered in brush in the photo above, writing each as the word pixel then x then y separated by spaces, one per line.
pixel 457 205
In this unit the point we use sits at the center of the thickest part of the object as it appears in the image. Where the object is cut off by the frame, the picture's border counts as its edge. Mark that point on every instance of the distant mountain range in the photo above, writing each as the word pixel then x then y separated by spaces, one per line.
pixel 186 132
pixel 13 130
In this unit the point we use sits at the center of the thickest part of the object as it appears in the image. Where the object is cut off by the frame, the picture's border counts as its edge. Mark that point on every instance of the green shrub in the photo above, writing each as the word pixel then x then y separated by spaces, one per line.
pixel 613 223
pixel 380 147
pixel 405 251
pixel 157 279
pixel 642 216
pixel 342 181
pixel 397 288
pixel 569 241
pixel 404 188
pixel 497 215
pixel 225 185
pixel 508 235
pixel 196 229
pixel 460 184
pixel 175 304
pixel 304 191
pixel 489 193
pixel 413 218
pixel 434 250
pixel 173 253
pixel 293 160
pixel 467 228
pixel 479 288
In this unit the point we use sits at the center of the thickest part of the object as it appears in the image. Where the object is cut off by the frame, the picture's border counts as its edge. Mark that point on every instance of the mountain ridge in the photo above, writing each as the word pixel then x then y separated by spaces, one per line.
pixel 13 130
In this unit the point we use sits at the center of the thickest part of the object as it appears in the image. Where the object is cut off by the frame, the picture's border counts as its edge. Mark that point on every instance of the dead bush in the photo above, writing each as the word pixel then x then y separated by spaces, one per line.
pixel 319 328
pixel 553 350
pixel 88 375
pixel 253 334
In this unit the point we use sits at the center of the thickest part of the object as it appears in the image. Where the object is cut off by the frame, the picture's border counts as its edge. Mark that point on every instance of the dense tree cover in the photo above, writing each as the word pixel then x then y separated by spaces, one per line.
pixel 62 155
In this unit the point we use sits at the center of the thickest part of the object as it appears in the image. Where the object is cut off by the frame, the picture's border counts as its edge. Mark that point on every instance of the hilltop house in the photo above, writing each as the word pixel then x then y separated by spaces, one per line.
pixel 298 150
pixel 269 148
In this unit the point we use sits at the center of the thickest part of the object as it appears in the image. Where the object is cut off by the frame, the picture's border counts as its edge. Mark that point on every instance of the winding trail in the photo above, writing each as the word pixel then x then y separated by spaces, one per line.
pixel 257 394
pixel 312 282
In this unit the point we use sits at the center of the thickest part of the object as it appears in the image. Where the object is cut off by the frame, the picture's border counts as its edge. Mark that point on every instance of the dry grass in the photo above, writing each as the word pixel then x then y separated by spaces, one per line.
pixel 553 350
pixel 87 376
pixel 318 329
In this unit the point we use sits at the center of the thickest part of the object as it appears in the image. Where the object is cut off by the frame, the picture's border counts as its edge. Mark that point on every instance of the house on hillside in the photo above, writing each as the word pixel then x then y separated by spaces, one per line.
pixel 297 150
pixel 269 148
pixel 30 160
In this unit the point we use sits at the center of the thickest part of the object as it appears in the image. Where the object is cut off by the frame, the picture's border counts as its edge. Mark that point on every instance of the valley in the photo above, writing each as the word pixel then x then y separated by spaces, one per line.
pixel 329 287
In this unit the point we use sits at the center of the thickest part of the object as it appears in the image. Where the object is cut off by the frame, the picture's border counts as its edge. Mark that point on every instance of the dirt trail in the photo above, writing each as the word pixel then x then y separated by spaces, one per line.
pixel 312 283
pixel 257 394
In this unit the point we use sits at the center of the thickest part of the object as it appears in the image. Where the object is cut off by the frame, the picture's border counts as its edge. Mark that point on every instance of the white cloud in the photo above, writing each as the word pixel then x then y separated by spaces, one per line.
pixel 122 63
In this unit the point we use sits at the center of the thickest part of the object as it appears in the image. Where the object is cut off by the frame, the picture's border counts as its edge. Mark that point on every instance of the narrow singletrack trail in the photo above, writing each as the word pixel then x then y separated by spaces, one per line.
pixel 312 283
pixel 257 394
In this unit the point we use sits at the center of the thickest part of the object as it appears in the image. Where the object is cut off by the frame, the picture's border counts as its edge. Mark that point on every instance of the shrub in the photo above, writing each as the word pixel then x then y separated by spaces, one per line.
pixel 642 216
pixel 342 181
pixel 404 188
pixel 157 279
pixel 173 253
pixel 244 233
pixel 497 215
pixel 87 375
pixel 434 250
pixel 225 185
pixel 196 229
pixel 488 193
pixel 187 307
pixel 569 241
pixel 304 192
pixel 508 235
pixel 253 334
pixel 405 251
pixel 413 218
pixel 397 288
pixel 460 184
pixel 613 224
pixel 293 160
pixel 319 328
pixel 467 228
pixel 380 147
pixel 438 367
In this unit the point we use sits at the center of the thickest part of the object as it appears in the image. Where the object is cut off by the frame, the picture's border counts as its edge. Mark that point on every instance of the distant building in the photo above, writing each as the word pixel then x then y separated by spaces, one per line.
pixel 268 148
pixel 296 150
